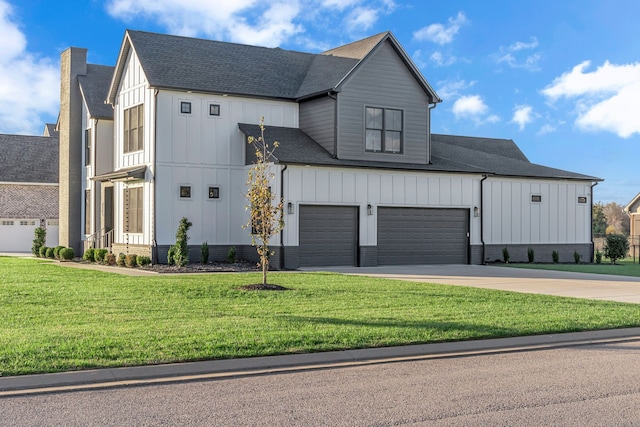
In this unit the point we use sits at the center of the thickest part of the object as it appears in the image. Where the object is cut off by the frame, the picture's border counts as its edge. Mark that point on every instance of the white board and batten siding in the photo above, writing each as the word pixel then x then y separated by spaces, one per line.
pixel 511 217
pixel 133 91
pixel 361 187
pixel 201 151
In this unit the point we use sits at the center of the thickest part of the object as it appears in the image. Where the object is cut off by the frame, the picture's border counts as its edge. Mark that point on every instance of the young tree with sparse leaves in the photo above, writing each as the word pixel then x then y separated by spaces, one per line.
pixel 266 217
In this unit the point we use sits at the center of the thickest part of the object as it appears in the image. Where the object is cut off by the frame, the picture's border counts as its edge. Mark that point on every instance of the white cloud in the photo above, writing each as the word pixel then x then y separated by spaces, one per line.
pixel 452 88
pixel 439 33
pixel 473 107
pixel 510 55
pixel 522 115
pixel 361 19
pixel 546 129
pixel 29 85
pixel 607 99
pixel 441 60
pixel 271 25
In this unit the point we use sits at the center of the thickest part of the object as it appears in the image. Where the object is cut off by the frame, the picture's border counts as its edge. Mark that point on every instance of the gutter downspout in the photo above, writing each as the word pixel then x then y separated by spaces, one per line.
pixel 484 177
pixel 431 107
pixel 593 245
pixel 154 243
pixel 282 231
pixel 333 96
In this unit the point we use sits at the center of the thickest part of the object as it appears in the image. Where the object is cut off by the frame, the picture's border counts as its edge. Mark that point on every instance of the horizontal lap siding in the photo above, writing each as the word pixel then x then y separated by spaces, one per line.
pixel 317 119
pixel 383 81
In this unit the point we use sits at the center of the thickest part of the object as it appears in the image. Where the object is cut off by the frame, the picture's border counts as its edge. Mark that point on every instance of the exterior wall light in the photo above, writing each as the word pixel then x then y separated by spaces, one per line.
pixel 476 211
pixel 369 210
pixel 290 208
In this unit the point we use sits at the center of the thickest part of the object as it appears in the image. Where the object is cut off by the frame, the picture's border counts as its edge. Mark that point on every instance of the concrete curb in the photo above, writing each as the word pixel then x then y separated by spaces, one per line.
pixel 229 368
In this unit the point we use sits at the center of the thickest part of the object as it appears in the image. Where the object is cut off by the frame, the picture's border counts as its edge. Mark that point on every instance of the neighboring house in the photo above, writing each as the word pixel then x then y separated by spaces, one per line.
pixel 363 180
pixel 28 190
pixel 633 211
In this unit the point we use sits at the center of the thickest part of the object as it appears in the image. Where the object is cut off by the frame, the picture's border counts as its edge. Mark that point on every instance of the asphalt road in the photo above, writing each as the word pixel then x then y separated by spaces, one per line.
pixel 585 385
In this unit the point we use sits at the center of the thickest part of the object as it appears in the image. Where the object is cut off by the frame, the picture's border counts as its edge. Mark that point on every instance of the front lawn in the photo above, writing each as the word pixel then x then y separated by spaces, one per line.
pixel 624 267
pixel 56 319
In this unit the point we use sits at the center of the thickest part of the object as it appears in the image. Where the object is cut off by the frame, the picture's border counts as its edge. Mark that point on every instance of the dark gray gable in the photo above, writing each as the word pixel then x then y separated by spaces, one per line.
pixel 324 74
pixel 95 88
pixel 28 159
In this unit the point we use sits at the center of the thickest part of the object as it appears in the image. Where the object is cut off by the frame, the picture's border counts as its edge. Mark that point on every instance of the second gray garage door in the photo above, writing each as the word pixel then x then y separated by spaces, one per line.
pixel 328 235
pixel 422 236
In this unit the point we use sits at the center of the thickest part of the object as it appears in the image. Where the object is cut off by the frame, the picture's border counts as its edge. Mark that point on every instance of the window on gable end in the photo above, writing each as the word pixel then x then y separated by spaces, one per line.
pixel 383 130
pixel 133 128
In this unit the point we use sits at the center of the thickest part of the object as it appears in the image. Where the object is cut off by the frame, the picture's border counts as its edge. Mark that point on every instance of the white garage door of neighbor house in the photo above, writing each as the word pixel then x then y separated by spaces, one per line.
pixel 16 235
pixel 422 236
pixel 328 235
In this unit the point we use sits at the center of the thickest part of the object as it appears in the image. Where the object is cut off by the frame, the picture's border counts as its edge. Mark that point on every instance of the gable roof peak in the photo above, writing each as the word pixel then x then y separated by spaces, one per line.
pixel 359 48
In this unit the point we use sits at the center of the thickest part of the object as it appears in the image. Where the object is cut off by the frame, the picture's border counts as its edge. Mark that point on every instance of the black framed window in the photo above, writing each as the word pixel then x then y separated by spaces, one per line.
pixel 133 208
pixel 185 191
pixel 214 192
pixel 185 107
pixel 383 130
pixel 87 147
pixel 134 128
pixel 214 109
pixel 536 198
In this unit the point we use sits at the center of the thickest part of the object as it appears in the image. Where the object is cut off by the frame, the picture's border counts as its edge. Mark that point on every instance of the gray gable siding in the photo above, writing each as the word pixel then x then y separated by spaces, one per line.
pixel 317 119
pixel 383 81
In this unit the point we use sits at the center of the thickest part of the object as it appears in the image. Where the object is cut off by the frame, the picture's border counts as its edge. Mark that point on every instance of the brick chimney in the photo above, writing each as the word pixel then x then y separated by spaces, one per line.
pixel 73 63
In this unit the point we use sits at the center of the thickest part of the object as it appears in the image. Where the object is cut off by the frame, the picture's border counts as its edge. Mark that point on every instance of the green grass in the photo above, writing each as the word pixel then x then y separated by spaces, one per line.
pixel 55 319
pixel 624 267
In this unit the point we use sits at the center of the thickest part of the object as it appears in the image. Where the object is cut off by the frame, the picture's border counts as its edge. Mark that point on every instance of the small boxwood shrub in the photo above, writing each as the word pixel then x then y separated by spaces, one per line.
pixel 143 260
pixel 99 254
pixel 50 253
pixel 531 254
pixel 42 251
pixel 555 256
pixel 110 259
pixel 40 238
pixel 56 251
pixel 66 254
pixel 121 259
pixel 598 257
pixel 576 257
pixel 88 254
pixel 231 255
pixel 130 260
pixel 505 254
pixel 204 253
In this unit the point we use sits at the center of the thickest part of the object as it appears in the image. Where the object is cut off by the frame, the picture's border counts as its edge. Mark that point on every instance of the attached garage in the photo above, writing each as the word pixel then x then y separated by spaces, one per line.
pixel 422 236
pixel 328 235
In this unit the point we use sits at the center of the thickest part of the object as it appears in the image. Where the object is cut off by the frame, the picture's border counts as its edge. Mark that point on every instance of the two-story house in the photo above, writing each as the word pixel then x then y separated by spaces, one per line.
pixel 363 180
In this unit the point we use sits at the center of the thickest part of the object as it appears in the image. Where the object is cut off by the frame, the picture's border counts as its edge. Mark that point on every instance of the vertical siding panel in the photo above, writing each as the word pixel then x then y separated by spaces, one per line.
pixel 335 187
pixel 411 195
pixel 386 189
pixel 398 190
pixel 422 189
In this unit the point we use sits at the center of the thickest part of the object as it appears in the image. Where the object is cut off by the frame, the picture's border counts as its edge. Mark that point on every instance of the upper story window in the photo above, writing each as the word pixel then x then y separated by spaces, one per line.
pixel 134 128
pixel 383 130
pixel 185 107
pixel 87 147
pixel 214 110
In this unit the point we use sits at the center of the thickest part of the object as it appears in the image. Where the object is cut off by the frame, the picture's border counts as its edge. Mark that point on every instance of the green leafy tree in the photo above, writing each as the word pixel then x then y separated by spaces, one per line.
pixel 599 221
pixel 617 220
pixel 266 218
pixel 616 247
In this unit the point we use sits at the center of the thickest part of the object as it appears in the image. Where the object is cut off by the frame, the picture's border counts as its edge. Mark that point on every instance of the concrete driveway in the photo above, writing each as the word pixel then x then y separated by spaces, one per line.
pixel 560 283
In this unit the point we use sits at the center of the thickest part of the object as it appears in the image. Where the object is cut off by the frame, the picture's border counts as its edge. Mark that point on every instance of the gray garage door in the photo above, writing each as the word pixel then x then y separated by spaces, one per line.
pixel 422 236
pixel 328 235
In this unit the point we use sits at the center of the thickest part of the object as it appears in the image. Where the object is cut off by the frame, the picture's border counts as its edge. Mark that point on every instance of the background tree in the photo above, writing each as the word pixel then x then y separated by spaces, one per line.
pixel 617 220
pixel 599 221
pixel 266 217
pixel 616 247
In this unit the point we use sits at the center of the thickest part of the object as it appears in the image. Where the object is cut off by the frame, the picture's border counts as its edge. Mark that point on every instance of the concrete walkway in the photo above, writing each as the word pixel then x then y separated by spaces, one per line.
pixel 559 283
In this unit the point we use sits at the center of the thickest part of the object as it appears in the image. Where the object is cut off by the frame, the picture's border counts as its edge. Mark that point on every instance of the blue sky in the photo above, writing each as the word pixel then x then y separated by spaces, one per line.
pixel 559 77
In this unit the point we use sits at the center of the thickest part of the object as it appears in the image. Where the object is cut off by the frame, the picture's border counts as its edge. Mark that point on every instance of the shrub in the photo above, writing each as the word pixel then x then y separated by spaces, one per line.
pixel 99 254
pixel 576 257
pixel 40 238
pixel 555 256
pixel 231 255
pixel 56 251
pixel 50 252
pixel 505 254
pixel 530 254
pixel 598 257
pixel 121 259
pixel 170 253
pixel 130 260
pixel 42 251
pixel 616 247
pixel 143 260
pixel 66 254
pixel 88 254
pixel 110 259
pixel 204 253
pixel 181 248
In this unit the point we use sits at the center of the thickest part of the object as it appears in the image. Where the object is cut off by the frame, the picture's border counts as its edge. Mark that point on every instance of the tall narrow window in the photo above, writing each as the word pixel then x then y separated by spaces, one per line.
pixel 87 147
pixel 133 208
pixel 133 128
pixel 87 212
pixel 383 130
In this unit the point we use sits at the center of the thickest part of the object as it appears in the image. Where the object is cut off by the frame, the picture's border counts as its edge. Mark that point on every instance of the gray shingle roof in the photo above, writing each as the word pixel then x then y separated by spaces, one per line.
pixel 448 154
pixel 95 88
pixel 28 159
